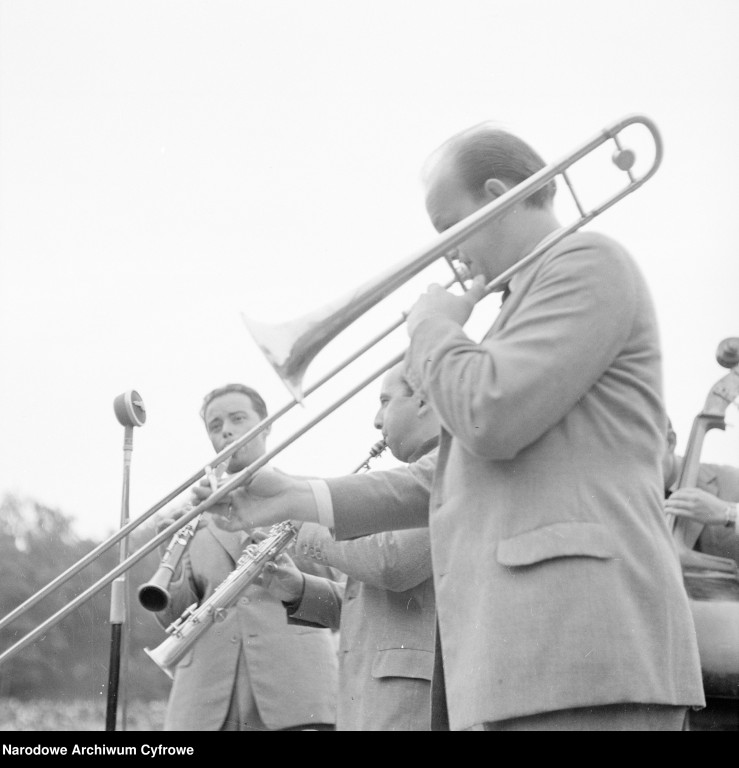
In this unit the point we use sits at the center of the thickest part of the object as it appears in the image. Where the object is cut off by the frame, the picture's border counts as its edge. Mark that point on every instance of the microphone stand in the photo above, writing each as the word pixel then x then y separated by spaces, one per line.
pixel 130 412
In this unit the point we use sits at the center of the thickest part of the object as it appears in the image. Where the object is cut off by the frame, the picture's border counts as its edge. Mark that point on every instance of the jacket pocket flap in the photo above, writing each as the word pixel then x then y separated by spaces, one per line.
pixel 403 662
pixel 557 540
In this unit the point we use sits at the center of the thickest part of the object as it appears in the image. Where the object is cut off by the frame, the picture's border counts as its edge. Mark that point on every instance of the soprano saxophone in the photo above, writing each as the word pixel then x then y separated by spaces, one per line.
pixel 195 621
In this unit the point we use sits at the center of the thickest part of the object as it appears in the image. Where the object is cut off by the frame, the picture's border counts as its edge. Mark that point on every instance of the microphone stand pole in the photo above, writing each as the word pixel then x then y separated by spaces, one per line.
pixel 130 412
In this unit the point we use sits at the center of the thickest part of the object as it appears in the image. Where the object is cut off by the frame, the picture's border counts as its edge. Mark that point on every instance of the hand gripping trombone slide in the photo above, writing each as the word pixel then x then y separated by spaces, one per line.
pixel 197 620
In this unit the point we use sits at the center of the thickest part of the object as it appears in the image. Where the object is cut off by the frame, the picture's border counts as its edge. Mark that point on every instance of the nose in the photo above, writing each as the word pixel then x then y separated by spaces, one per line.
pixel 378 419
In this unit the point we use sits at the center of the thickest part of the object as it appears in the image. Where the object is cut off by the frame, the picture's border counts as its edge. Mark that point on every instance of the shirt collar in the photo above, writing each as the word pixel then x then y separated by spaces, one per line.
pixel 515 280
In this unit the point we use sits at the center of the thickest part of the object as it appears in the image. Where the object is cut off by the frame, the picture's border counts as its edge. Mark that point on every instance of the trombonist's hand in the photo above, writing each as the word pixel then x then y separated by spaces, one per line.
pixel 438 302
pixel 697 504
pixel 270 497
pixel 166 517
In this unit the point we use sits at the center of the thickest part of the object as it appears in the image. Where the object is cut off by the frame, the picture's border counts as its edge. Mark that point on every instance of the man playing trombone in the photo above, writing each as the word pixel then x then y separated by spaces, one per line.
pixel 559 595
pixel 386 650
pixel 251 671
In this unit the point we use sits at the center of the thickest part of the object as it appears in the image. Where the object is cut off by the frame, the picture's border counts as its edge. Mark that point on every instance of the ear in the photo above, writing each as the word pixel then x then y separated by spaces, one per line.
pixel 422 406
pixel 671 440
pixel 495 188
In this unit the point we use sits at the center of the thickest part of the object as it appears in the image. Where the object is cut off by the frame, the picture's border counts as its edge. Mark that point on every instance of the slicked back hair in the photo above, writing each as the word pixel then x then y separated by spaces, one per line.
pixel 257 402
pixel 485 152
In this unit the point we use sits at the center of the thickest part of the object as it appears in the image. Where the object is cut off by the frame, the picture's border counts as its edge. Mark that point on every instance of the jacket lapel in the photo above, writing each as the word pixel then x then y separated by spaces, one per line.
pixel 231 541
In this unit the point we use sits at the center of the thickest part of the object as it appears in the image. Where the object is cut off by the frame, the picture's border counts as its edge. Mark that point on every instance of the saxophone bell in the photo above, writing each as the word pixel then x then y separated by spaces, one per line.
pixel 159 656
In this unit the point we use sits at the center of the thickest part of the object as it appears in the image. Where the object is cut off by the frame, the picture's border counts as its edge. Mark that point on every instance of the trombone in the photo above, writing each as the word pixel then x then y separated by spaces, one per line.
pixel 290 349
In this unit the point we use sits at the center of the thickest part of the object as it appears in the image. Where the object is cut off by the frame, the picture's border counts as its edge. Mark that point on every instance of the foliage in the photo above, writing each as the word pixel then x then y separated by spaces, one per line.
pixel 72 658
pixel 76 715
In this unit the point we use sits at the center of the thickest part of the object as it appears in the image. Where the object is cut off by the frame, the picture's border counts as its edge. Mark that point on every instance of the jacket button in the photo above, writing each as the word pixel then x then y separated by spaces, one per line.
pixel 244 601
pixel 235 639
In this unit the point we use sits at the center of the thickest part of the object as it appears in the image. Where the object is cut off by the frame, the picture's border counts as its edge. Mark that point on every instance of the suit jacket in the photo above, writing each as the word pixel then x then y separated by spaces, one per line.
pixel 723 482
pixel 292 669
pixel 557 581
pixel 386 647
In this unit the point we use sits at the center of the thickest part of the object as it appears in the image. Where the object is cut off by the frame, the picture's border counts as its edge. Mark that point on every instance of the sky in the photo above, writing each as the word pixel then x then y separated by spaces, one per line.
pixel 169 165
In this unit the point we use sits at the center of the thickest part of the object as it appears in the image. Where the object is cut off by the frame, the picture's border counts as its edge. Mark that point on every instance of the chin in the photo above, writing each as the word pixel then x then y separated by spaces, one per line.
pixel 235 465
pixel 399 453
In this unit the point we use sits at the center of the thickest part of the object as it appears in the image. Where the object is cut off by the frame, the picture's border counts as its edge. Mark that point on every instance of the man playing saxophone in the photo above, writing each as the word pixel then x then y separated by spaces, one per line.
pixel 386 650
pixel 251 671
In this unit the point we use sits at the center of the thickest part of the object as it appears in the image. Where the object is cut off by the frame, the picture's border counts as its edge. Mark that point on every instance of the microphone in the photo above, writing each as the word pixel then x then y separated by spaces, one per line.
pixel 129 409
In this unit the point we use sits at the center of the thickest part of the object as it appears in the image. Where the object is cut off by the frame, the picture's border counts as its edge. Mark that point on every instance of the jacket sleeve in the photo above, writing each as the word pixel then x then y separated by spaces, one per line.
pixel 387 500
pixel 500 395
pixel 320 604
pixel 395 561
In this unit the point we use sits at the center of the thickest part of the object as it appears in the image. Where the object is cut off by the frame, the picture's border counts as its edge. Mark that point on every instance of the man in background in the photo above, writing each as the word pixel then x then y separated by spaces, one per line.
pixel 712 504
pixel 710 509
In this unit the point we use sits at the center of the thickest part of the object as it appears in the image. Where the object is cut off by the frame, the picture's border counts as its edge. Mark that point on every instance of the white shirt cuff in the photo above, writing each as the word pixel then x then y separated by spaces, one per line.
pixel 324 505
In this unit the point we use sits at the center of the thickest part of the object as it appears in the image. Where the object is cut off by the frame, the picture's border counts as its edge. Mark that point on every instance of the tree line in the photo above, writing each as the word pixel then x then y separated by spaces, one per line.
pixel 72 658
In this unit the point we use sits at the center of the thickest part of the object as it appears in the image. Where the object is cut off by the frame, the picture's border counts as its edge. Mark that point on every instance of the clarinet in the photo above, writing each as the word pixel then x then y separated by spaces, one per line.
pixel 374 452
pixel 196 620
pixel 154 595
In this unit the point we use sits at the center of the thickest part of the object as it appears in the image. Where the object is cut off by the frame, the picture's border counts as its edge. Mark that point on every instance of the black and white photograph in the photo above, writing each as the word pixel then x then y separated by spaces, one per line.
pixel 367 366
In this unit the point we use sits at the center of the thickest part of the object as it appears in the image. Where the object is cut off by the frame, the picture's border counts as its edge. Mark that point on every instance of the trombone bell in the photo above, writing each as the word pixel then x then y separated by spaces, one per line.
pixel 291 347
pixel 278 344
